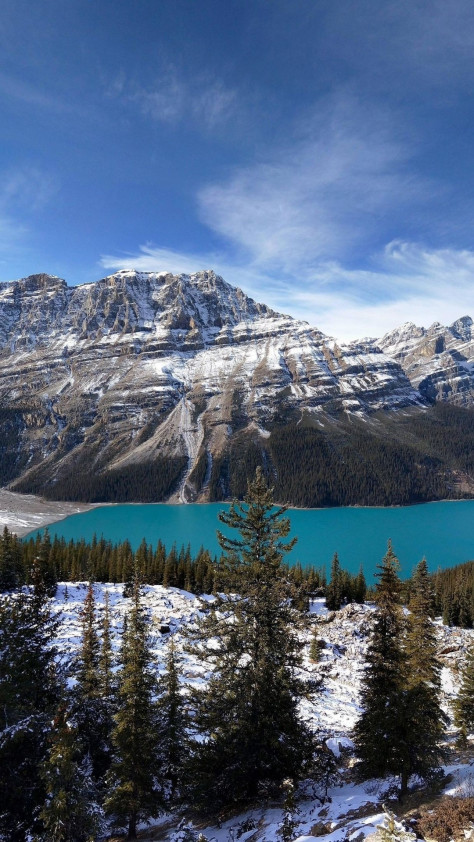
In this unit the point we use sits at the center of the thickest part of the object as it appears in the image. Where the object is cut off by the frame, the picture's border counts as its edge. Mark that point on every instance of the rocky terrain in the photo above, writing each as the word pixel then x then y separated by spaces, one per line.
pixel 152 377
pixel 439 361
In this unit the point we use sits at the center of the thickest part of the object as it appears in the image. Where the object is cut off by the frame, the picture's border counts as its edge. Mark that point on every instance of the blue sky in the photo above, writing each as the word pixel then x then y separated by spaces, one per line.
pixel 317 153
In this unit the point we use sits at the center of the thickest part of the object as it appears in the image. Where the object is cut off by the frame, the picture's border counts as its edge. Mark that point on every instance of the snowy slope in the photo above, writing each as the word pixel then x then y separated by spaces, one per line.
pixel 352 810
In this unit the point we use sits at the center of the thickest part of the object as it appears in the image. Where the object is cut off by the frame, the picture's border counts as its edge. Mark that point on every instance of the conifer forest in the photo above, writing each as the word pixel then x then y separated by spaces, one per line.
pixel 116 714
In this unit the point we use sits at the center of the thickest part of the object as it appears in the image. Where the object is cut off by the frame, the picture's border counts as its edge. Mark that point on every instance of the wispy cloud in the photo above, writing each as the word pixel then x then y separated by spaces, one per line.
pixel 29 94
pixel 322 195
pixel 172 99
pixel 24 192
pixel 297 227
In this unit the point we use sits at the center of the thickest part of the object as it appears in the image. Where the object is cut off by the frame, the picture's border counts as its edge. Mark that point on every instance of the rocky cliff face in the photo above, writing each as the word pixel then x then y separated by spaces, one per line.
pixel 439 360
pixel 139 367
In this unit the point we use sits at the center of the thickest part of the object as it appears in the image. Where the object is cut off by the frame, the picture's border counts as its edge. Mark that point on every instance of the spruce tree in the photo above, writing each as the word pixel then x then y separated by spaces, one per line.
pixel 334 588
pixel 29 688
pixel 91 709
pixel 133 790
pixel 251 736
pixel 380 726
pixel 70 812
pixel 464 703
pixel 424 719
pixel 173 723
pixel 10 561
pixel 106 656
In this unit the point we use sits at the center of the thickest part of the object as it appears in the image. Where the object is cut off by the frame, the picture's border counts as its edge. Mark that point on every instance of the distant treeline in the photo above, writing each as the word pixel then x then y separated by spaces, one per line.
pixel 102 561
pixel 397 461
pixel 391 459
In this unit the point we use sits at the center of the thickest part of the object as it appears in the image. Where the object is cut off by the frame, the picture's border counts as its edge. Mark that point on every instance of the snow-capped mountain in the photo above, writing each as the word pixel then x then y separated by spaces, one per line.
pixel 141 366
pixel 439 360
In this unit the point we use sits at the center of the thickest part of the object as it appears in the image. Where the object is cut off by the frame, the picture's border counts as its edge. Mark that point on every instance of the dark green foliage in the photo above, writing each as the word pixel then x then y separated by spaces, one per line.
pixel 12 573
pixel 91 707
pixel 424 720
pixel 454 595
pixel 143 483
pixel 316 469
pixel 334 587
pixel 402 460
pixel 464 703
pixel 173 722
pixel 132 786
pixel 316 647
pixel 402 723
pixel 248 714
pixel 379 729
pixel 70 812
pixel 29 688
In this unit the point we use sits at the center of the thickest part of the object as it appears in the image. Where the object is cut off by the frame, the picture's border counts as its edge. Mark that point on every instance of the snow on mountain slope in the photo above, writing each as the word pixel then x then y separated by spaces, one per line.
pixel 439 361
pixel 140 365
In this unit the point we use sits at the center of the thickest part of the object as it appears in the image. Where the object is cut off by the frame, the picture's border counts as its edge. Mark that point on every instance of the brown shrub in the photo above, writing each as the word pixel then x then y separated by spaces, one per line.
pixel 447 820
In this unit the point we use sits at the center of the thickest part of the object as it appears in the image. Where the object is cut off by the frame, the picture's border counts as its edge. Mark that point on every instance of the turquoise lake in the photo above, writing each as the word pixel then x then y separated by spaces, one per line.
pixel 442 532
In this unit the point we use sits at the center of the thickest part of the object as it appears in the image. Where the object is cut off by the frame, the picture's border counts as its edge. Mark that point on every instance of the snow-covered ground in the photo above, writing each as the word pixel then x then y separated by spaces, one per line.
pixel 351 811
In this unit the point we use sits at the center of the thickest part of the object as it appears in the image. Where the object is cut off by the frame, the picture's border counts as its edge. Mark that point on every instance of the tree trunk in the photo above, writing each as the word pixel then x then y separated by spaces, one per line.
pixel 132 826
pixel 403 784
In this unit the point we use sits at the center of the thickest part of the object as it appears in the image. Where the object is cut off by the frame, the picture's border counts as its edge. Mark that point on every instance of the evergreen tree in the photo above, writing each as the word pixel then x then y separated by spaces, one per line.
pixel 133 792
pixel 70 812
pixel 10 561
pixel 29 688
pixel 173 722
pixel 379 729
pixel 91 708
pixel 464 703
pixel 106 656
pixel 88 661
pixel 334 588
pixel 424 719
pixel 360 587
pixel 251 737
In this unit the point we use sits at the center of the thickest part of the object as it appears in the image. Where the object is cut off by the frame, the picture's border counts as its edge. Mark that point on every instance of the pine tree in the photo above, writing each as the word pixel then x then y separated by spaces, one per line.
pixel 251 734
pixel 70 812
pixel 377 732
pixel 424 719
pixel 334 588
pixel 91 709
pixel 289 823
pixel 173 723
pixel 88 661
pixel 29 688
pixel 106 656
pixel 10 561
pixel 464 703
pixel 360 587
pixel 133 792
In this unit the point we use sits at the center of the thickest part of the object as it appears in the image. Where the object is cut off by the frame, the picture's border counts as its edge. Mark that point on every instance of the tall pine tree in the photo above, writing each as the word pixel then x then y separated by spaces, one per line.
pixel 464 703
pixel 251 736
pixel 424 719
pixel 29 689
pixel 378 731
pixel 70 812
pixel 134 792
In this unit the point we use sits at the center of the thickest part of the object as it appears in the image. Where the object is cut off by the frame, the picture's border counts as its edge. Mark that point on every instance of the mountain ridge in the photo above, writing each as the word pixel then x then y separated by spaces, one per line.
pixel 145 369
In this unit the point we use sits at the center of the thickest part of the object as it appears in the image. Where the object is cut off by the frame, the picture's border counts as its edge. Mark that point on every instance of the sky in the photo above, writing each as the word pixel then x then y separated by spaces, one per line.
pixel 316 153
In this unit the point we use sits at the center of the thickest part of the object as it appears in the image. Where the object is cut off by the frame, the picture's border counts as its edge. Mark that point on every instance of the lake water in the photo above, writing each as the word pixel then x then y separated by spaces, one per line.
pixel 442 532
